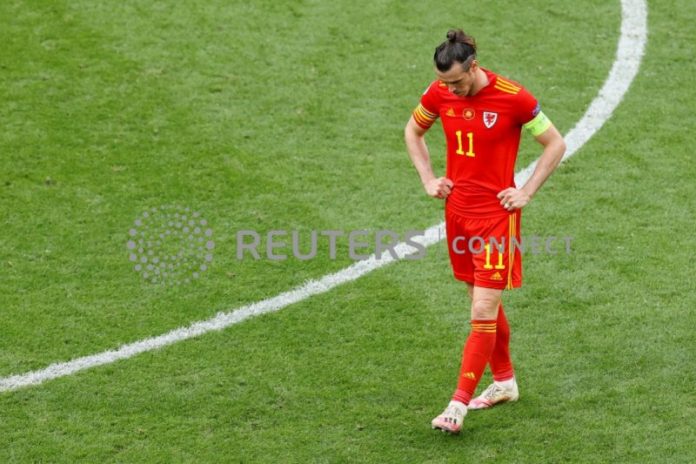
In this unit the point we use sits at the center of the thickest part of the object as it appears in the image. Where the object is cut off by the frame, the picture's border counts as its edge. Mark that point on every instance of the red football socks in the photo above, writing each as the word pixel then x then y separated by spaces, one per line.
pixel 501 364
pixel 477 352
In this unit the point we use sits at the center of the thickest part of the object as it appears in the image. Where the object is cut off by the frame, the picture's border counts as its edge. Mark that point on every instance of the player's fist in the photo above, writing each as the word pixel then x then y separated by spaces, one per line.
pixel 512 198
pixel 439 188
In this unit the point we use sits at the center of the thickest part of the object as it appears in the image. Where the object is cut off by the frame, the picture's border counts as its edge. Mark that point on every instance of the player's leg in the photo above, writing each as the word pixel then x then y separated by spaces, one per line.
pixel 500 362
pixel 450 420
pixel 480 343
pixel 504 386
pixel 477 352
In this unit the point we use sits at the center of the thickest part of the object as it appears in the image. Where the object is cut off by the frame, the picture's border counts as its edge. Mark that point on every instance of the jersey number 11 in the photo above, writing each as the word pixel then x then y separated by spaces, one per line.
pixel 460 148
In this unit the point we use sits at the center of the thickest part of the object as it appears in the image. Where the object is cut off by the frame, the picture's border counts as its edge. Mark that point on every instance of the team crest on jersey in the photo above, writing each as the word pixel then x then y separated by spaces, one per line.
pixel 468 114
pixel 489 118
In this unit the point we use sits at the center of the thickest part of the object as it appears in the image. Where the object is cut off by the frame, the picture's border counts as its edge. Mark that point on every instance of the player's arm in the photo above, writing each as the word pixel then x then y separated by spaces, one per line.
pixel 554 147
pixel 414 135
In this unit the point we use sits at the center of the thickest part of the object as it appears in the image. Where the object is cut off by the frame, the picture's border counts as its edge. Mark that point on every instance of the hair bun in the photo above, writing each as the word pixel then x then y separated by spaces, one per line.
pixel 459 47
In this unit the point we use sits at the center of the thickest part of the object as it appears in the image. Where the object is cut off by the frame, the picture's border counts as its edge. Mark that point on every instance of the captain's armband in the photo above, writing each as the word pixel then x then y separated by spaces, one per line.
pixel 423 117
pixel 539 124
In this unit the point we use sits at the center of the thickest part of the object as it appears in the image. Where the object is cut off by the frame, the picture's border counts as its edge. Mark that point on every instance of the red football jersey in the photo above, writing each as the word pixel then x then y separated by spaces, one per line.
pixel 483 137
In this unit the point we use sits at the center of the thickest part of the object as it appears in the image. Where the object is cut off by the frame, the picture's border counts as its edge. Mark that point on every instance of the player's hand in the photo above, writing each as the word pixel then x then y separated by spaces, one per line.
pixel 439 188
pixel 512 198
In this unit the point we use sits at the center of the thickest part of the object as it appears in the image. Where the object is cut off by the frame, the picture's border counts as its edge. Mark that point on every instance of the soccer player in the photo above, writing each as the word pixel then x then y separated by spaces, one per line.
pixel 482 116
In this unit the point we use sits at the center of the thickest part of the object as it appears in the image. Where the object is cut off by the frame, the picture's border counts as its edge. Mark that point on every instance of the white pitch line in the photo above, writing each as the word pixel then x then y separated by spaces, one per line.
pixel 628 57
pixel 634 35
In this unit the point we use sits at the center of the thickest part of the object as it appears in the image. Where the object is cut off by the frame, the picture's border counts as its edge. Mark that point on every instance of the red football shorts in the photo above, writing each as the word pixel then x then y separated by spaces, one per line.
pixel 486 252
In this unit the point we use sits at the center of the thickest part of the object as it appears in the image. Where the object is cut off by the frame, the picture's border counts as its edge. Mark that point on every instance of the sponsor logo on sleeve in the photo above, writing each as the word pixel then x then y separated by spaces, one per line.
pixel 536 110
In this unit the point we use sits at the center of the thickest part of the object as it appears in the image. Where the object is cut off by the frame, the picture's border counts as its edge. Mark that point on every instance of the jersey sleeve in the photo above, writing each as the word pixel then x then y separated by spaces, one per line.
pixel 527 107
pixel 428 109
pixel 530 115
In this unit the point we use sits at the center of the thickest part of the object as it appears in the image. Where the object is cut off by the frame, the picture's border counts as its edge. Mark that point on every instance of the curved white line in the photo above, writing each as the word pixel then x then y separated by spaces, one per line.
pixel 634 33
pixel 628 57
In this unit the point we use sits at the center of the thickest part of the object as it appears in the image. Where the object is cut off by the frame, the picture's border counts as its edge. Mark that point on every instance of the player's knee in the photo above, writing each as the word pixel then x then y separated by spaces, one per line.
pixel 484 308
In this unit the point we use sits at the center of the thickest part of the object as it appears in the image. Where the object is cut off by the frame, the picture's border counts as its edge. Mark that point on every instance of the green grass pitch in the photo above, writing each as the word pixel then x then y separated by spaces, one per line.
pixel 289 115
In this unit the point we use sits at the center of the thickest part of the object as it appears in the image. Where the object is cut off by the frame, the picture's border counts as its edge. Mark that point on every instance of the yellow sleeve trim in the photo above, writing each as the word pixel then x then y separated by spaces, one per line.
pixel 539 124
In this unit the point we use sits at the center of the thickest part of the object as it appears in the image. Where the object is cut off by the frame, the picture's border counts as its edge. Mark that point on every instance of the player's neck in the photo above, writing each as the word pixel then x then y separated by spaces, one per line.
pixel 480 81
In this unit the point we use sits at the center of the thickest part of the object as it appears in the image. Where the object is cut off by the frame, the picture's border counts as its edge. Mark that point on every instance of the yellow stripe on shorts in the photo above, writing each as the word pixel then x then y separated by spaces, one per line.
pixel 511 251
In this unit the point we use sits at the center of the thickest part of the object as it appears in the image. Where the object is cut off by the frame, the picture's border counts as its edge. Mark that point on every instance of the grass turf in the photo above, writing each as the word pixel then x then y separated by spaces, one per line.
pixel 111 109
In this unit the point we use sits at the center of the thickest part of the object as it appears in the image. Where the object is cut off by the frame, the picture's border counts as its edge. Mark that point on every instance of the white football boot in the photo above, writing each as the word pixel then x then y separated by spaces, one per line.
pixel 494 394
pixel 451 418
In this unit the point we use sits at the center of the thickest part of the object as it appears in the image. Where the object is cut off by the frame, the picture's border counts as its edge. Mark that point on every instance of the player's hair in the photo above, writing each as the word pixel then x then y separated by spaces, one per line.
pixel 459 47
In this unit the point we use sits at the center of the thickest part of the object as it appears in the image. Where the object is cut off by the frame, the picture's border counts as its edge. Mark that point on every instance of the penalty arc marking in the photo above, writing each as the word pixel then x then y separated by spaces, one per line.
pixel 629 54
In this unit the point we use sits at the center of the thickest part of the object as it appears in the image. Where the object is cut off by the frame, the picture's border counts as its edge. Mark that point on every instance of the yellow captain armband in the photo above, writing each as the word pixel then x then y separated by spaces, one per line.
pixel 539 124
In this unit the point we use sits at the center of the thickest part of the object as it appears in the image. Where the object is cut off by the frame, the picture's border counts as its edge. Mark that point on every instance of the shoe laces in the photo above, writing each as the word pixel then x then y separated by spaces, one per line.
pixel 492 391
pixel 453 411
